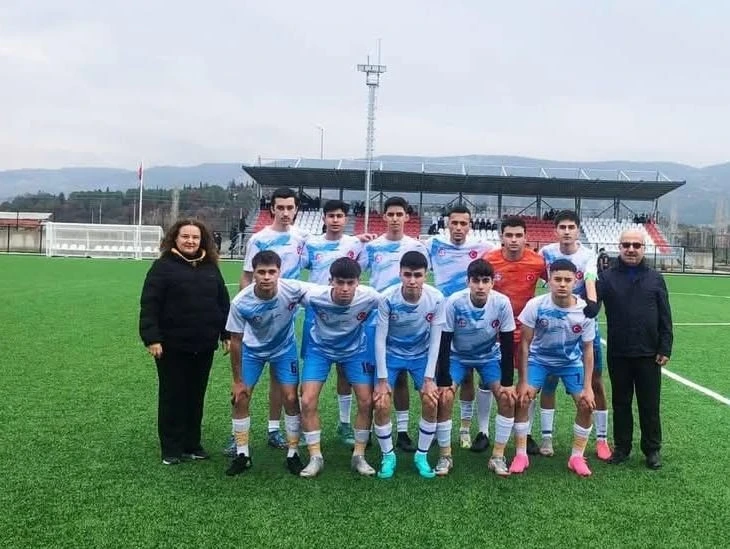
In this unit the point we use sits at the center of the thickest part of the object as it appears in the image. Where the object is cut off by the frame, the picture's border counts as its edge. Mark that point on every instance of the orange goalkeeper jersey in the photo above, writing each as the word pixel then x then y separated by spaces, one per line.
pixel 517 279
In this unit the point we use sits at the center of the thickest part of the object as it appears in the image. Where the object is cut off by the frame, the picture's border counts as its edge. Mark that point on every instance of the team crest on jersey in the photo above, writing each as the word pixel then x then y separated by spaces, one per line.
pixel 362 315
pixel 577 328
pixel 461 323
pixel 543 322
pixel 393 317
pixel 378 258
pixel 473 254
pixel 299 250
pixel 530 277
pixel 257 319
pixel 495 323
pixel 579 275
pixel 442 252
pixel 322 315
pixel 318 257
pixel 351 254
pixel 429 317
pixel 292 305
pixel 497 277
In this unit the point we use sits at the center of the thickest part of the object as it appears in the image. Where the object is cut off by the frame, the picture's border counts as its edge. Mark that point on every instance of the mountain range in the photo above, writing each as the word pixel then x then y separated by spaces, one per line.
pixel 695 202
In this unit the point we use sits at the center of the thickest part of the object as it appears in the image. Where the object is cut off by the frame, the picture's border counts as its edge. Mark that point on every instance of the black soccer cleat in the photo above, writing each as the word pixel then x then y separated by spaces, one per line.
pixel 197 454
pixel 405 443
pixel 238 465
pixel 480 443
pixel 532 447
pixel 294 464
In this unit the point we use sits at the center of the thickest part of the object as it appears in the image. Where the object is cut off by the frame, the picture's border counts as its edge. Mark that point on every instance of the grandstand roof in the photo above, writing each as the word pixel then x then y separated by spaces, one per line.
pixel 435 178
pixel 23 219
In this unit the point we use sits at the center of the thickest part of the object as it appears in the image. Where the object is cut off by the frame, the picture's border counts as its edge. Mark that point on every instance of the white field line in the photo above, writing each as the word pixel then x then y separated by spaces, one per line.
pixel 699 295
pixel 692 385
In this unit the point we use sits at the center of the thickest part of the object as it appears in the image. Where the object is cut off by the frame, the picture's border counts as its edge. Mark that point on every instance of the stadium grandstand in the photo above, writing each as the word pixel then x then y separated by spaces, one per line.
pixel 432 188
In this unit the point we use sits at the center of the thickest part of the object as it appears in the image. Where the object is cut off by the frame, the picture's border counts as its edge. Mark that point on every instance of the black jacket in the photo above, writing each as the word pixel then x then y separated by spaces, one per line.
pixel 637 311
pixel 184 307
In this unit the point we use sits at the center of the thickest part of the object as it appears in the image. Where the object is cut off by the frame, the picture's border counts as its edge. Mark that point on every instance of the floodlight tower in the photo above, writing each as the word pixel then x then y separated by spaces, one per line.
pixel 372 80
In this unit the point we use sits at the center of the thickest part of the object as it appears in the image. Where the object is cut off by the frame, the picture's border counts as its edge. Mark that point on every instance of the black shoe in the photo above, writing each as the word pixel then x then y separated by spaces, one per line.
pixel 294 464
pixel 653 460
pixel 532 448
pixel 405 443
pixel 171 460
pixel 238 465
pixel 197 454
pixel 370 440
pixel 618 457
pixel 480 443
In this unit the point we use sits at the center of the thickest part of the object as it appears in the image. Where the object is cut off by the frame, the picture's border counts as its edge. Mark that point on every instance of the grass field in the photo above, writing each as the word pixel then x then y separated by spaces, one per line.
pixel 79 459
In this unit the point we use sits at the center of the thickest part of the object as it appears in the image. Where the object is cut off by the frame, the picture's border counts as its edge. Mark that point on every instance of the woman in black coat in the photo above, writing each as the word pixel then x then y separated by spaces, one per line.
pixel 184 307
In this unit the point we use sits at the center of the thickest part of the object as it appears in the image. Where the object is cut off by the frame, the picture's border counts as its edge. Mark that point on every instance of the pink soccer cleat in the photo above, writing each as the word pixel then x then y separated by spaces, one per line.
pixel 578 465
pixel 603 450
pixel 519 464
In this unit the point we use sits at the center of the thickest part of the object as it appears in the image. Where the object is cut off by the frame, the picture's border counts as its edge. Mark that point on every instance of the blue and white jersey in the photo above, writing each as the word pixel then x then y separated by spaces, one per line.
pixel 288 245
pixel 267 325
pixel 408 325
pixel 449 262
pixel 476 329
pixel 584 259
pixel 338 331
pixel 319 253
pixel 383 259
pixel 558 332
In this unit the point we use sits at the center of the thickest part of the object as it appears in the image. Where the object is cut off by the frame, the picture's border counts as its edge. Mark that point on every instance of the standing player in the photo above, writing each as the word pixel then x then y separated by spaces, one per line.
pixel 319 254
pixel 557 341
pixel 261 322
pixel 338 335
pixel 383 261
pixel 450 258
pixel 475 330
pixel 284 239
pixel 517 270
pixel 567 230
pixel 402 338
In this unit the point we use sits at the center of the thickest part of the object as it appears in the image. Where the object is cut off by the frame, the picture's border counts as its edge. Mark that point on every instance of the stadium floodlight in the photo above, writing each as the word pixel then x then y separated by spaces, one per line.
pixel 372 80
pixel 103 241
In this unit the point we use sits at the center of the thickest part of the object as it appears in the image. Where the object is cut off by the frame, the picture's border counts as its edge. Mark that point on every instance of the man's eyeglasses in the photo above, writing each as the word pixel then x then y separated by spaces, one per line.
pixel 634 245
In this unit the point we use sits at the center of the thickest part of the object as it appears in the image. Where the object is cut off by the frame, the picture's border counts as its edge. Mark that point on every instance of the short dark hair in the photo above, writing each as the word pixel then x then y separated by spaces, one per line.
pixel 266 257
pixel 395 201
pixel 284 192
pixel 513 221
pixel 479 268
pixel 346 268
pixel 413 260
pixel 459 209
pixel 563 265
pixel 601 249
pixel 567 215
pixel 333 205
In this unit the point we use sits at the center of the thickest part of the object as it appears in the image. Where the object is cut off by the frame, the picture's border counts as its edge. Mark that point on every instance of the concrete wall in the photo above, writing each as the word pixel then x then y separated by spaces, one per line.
pixel 22 240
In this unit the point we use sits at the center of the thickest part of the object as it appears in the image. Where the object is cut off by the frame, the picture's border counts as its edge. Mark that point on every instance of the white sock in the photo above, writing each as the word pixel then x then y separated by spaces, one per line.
pixel 241 428
pixel 503 429
pixel 580 439
pixel 600 418
pixel 401 418
pixel 426 432
pixel 467 409
pixel 345 404
pixel 361 439
pixel 313 441
pixel 292 425
pixel 443 433
pixel 273 425
pixel 385 437
pixel 547 415
pixel 484 408
pixel 530 416
pixel 520 428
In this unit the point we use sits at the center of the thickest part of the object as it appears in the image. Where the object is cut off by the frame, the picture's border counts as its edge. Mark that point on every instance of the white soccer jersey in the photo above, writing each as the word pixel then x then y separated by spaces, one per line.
pixel 584 259
pixel 449 262
pixel 383 259
pixel 407 326
pixel 558 332
pixel 288 245
pixel 476 329
pixel 319 254
pixel 267 325
pixel 338 330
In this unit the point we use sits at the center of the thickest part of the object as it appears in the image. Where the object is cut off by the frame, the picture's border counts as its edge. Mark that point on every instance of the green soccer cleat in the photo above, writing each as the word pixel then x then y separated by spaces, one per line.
pixel 346 434
pixel 422 466
pixel 387 465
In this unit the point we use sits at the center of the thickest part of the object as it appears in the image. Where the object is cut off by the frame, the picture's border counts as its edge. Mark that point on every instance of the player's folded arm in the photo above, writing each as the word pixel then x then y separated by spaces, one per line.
pixel 507 348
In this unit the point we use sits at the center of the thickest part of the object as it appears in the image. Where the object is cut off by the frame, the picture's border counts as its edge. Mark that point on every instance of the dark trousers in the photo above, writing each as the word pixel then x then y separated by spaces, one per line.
pixel 183 379
pixel 644 376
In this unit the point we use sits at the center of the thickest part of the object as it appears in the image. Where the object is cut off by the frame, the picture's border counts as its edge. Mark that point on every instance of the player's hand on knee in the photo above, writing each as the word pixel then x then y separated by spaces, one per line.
pixel 238 391
pixel 587 399
pixel 507 395
pixel 429 392
pixel 381 392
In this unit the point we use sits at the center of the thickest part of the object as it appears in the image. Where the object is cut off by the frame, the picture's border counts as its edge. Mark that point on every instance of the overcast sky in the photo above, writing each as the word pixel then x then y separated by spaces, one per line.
pixel 179 83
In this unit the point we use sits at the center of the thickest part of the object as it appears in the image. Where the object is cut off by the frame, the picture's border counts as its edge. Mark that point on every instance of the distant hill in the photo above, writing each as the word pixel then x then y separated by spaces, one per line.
pixel 696 200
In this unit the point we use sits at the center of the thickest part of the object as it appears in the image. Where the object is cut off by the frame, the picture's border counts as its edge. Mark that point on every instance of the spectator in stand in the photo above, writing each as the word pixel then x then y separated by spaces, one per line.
pixel 218 239
pixel 604 261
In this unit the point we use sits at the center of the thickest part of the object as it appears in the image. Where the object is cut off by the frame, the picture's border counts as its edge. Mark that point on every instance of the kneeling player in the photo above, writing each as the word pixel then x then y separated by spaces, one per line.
pixel 557 340
pixel 402 338
pixel 338 336
pixel 475 330
pixel 261 322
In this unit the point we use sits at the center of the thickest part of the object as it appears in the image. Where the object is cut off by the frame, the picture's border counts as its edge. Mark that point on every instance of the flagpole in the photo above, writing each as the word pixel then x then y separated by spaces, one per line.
pixel 140 173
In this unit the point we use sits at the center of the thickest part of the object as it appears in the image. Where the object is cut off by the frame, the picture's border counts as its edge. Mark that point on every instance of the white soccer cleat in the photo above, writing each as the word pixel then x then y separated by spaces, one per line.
pixel 444 465
pixel 313 468
pixel 546 447
pixel 361 466
pixel 465 439
pixel 499 465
